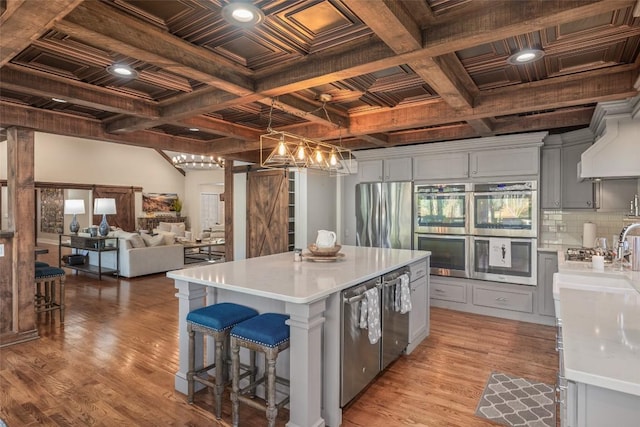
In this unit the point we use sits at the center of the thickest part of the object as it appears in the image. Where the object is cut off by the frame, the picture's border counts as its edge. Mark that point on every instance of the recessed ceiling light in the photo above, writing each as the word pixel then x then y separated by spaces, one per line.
pixel 194 129
pixel 121 70
pixel 62 101
pixel 242 14
pixel 525 56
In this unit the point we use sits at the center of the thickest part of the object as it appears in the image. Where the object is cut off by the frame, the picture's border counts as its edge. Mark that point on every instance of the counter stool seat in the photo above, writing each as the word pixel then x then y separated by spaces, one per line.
pixel 40 264
pixel 269 334
pixel 214 320
pixel 46 299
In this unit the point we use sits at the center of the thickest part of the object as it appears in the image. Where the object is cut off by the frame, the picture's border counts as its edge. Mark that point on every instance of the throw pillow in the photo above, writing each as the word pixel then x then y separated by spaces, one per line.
pixel 156 240
pixel 136 241
pixel 178 228
pixel 169 237
pixel 164 226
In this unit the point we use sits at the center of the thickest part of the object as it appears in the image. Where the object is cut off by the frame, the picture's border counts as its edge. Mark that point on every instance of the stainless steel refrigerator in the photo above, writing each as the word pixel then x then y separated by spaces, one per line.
pixel 383 215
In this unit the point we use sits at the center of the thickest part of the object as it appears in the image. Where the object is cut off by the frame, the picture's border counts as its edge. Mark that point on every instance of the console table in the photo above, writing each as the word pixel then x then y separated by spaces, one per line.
pixel 94 244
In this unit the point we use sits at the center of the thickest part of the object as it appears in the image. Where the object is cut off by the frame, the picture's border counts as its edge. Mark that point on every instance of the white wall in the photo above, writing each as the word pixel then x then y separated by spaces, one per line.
pixel 348 210
pixel 320 192
pixel 83 161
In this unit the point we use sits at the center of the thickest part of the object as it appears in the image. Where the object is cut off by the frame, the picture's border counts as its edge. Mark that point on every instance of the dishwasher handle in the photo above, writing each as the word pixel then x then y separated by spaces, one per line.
pixel 357 298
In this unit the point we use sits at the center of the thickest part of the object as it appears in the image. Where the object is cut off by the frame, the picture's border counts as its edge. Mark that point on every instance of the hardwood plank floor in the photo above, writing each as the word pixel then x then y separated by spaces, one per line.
pixel 113 363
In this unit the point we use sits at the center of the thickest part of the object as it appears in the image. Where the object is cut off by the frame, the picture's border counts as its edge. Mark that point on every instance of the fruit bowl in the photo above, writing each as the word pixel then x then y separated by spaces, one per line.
pixel 324 251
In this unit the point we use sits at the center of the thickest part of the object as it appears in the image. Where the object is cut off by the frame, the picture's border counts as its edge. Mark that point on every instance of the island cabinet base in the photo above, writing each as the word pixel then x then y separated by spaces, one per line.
pixel 591 406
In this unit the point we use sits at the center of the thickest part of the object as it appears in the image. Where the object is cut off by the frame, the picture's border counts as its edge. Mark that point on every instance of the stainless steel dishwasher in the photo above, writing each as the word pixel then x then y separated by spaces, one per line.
pixel 360 360
pixel 395 325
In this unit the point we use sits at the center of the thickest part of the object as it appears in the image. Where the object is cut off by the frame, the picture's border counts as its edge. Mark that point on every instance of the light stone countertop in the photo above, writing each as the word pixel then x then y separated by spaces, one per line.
pixel 600 312
pixel 279 277
pixel 601 333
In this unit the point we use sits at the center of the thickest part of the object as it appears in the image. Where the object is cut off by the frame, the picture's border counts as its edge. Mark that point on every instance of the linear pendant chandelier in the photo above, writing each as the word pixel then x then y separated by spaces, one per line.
pixel 281 150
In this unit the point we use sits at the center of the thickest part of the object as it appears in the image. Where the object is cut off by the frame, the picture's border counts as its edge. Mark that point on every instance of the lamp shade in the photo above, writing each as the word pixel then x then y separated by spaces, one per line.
pixel 73 206
pixel 104 206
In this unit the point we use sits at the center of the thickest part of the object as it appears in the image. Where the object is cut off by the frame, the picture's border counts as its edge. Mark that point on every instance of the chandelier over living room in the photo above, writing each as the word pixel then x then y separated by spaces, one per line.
pixel 193 161
pixel 279 149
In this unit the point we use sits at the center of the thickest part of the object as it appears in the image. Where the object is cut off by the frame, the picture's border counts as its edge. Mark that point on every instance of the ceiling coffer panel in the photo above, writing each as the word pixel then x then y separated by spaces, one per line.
pixel 451 81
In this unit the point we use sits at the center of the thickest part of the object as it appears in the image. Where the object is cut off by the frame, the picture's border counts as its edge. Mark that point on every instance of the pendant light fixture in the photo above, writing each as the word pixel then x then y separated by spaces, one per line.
pixel 281 150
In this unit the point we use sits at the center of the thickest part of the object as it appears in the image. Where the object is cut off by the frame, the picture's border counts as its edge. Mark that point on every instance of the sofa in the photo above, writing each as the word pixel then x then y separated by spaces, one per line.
pixel 142 254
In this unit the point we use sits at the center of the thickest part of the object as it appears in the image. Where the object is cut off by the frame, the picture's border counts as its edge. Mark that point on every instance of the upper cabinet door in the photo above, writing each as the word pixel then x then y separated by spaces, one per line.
pixel 551 178
pixel 441 166
pixel 398 169
pixel 370 171
pixel 576 194
pixel 500 162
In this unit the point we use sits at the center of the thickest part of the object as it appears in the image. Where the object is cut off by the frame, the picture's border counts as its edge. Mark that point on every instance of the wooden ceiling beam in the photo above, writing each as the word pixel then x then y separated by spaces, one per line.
pixel 378 139
pixel 390 21
pixel 220 127
pixel 579 116
pixel 311 112
pixel 25 80
pixel 578 91
pixel 23 22
pixel 109 29
pixel 483 127
pixel 79 127
pixel 507 18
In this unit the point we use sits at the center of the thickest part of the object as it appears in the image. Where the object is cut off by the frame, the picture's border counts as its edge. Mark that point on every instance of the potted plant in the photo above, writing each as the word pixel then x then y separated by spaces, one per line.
pixel 177 206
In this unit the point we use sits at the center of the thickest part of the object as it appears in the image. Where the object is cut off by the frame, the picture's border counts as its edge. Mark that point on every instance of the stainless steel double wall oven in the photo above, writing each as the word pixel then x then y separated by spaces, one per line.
pixel 461 224
pixel 441 226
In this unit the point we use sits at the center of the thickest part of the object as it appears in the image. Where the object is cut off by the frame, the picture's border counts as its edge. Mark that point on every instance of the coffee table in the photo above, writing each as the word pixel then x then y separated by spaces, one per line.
pixel 203 251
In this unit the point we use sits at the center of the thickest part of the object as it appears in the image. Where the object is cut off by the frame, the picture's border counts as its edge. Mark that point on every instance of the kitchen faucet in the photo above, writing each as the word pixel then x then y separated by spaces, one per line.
pixel 623 236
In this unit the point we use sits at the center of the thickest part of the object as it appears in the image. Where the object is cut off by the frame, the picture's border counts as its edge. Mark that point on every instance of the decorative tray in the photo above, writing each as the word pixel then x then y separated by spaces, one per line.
pixel 322 258
pixel 324 252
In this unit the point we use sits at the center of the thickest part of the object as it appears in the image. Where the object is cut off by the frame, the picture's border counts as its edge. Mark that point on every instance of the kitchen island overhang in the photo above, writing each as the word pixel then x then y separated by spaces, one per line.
pixel 308 292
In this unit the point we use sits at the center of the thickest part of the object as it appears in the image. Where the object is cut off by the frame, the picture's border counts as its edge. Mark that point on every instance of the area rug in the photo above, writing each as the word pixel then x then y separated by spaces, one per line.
pixel 513 401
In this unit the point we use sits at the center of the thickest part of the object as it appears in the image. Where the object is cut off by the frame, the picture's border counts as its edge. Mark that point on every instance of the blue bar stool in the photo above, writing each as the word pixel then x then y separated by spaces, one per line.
pixel 269 334
pixel 48 277
pixel 215 320
pixel 40 264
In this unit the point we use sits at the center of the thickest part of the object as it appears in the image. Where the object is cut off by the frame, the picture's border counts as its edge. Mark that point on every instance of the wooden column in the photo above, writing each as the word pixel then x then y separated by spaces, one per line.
pixel 228 209
pixel 20 207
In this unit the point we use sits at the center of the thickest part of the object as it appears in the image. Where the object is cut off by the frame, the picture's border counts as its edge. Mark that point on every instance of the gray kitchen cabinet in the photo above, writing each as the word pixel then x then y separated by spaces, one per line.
pixel 419 314
pixel 614 195
pixel 441 166
pixel 592 406
pixel 547 265
pixel 510 162
pixel 396 169
pixel 456 292
pixel 576 193
pixel 489 296
pixel 551 178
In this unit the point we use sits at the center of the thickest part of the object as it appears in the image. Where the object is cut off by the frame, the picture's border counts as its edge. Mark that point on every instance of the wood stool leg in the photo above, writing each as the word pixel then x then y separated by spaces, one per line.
pixel 252 372
pixel 235 381
pixel 62 299
pixel 272 410
pixel 192 362
pixel 219 376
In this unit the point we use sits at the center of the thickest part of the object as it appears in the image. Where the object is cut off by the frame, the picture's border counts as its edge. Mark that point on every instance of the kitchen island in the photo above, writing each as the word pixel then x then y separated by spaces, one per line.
pixel 309 293
pixel 600 348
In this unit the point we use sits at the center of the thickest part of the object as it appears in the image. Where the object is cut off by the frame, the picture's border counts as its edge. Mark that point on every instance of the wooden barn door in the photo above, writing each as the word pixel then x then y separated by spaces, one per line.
pixel 125 206
pixel 267 212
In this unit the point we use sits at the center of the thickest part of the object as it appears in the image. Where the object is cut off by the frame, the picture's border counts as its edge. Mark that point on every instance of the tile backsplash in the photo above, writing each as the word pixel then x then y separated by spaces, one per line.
pixel 565 227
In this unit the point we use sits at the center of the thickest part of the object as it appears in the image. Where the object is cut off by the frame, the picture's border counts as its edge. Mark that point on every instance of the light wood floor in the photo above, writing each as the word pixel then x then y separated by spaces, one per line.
pixel 113 364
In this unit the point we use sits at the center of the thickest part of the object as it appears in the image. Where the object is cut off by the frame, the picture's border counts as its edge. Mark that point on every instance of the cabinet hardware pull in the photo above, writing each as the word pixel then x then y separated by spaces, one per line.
pixel 501 299
pixel 438 290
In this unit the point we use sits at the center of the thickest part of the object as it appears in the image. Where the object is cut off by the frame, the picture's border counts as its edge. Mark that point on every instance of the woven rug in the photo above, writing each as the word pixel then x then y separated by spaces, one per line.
pixel 513 401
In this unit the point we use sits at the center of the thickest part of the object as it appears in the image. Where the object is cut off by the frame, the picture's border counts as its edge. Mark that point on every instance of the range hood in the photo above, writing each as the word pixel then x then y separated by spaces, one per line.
pixel 616 151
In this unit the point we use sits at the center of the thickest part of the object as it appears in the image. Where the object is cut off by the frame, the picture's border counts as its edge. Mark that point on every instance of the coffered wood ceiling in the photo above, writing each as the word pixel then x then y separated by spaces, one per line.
pixel 398 72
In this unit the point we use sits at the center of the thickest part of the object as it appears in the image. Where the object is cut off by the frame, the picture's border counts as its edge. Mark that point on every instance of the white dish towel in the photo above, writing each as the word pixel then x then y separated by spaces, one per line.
pixel 370 314
pixel 403 295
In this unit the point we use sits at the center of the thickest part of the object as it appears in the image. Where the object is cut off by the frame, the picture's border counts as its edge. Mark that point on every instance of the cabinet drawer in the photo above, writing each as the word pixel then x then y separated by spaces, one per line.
pixel 418 270
pixel 448 292
pixel 508 300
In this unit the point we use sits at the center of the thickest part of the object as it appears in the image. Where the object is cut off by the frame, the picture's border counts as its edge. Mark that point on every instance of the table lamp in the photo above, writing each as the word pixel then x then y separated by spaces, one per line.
pixel 104 207
pixel 74 207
